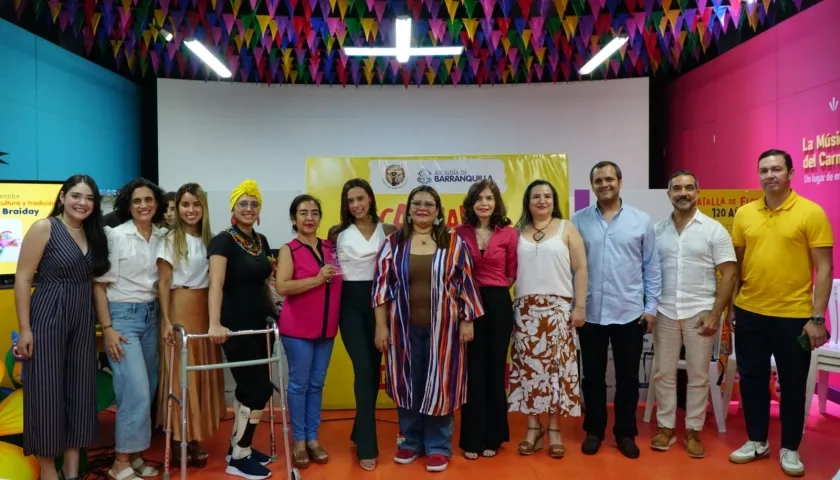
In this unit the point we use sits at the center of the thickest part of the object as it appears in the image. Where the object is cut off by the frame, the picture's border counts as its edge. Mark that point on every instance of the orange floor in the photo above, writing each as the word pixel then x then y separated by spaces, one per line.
pixel 820 452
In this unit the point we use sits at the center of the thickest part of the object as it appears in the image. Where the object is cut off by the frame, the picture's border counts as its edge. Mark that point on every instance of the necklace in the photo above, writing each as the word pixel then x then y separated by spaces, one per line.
pixel 252 246
pixel 68 225
pixel 483 240
pixel 540 234
pixel 418 233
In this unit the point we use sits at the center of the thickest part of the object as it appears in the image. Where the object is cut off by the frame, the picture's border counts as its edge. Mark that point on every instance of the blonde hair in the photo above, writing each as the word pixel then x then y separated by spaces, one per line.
pixel 178 234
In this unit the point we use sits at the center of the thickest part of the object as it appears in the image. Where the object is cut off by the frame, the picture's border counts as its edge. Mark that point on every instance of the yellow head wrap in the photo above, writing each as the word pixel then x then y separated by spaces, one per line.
pixel 247 187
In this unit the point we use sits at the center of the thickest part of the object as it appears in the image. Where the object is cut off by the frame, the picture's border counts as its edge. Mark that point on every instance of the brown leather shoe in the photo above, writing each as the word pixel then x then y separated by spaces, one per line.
pixel 300 456
pixel 693 445
pixel 663 440
pixel 317 454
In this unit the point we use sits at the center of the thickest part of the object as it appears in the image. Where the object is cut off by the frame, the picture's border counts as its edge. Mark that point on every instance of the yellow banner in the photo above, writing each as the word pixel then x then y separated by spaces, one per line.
pixel 722 204
pixel 21 204
pixel 392 178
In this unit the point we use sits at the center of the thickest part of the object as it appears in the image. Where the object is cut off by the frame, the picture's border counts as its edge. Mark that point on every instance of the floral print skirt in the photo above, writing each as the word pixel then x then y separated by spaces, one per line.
pixel 544 363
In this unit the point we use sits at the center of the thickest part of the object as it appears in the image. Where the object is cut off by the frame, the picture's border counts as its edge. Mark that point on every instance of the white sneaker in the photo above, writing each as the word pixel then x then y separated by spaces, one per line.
pixel 749 452
pixel 791 464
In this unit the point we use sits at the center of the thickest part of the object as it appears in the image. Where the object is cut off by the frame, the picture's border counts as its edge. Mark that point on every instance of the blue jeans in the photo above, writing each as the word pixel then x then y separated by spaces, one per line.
pixel 424 434
pixel 136 375
pixel 308 361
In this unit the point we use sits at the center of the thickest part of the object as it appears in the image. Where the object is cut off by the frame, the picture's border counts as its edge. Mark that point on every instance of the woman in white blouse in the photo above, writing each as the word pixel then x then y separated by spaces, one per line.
pixel 126 302
pixel 184 272
pixel 357 240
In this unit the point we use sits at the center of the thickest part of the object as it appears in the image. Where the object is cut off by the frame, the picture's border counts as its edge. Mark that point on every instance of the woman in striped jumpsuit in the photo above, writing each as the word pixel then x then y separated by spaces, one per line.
pixel 57 338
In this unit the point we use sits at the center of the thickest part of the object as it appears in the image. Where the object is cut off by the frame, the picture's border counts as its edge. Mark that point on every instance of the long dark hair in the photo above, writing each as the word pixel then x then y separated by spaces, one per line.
pixel 526 217
pixel 347 218
pixel 499 216
pixel 440 233
pixel 122 202
pixel 92 225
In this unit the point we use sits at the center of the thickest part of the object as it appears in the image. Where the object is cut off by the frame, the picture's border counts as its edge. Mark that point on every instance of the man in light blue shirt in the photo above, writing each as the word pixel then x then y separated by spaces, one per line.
pixel 624 287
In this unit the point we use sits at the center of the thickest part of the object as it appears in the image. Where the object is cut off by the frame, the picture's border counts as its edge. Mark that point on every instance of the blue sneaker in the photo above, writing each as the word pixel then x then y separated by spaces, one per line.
pixel 257 455
pixel 247 468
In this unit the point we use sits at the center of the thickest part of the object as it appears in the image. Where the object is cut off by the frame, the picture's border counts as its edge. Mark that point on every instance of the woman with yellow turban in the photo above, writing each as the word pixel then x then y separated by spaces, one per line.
pixel 240 299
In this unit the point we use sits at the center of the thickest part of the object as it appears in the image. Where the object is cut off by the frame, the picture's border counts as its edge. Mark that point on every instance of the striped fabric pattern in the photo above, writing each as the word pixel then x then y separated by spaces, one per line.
pixel 59 391
pixel 455 297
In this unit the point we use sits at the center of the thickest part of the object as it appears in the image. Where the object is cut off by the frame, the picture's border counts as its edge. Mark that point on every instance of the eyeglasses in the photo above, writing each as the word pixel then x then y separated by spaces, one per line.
pixel 419 204
pixel 243 205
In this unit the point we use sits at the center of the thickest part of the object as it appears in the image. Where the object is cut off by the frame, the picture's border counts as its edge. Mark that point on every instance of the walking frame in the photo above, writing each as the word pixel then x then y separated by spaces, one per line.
pixel 275 357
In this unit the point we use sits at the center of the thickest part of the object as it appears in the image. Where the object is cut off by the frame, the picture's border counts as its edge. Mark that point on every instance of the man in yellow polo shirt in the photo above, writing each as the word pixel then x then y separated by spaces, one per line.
pixel 780 241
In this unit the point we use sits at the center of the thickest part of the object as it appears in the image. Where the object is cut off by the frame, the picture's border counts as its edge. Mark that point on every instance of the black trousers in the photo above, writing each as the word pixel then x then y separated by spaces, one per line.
pixel 253 384
pixel 627 341
pixel 358 325
pixel 484 418
pixel 757 337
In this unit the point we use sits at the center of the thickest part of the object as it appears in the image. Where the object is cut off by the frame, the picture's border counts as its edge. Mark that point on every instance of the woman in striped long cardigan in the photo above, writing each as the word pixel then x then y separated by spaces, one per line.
pixel 425 300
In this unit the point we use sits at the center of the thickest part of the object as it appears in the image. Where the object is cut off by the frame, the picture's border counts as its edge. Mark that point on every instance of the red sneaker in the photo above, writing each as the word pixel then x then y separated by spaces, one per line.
pixel 405 456
pixel 437 463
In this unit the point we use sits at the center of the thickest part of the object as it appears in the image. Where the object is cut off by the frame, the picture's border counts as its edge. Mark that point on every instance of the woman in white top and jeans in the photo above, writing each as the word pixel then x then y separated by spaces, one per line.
pixel 543 364
pixel 126 302
pixel 357 240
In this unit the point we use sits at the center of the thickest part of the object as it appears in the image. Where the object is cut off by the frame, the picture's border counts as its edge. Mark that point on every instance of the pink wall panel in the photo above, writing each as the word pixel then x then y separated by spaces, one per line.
pixel 770 92
pixel 676 146
pixel 700 147
pixel 744 135
pixel 808 48
pixel 737 95
pixel 806 115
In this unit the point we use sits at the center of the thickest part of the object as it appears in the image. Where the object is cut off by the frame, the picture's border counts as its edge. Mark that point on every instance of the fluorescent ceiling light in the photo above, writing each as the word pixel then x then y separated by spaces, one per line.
pixel 403 49
pixel 602 55
pixel 208 58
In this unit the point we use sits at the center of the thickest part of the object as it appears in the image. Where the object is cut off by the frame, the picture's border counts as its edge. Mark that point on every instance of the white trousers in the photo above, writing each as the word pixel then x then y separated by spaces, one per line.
pixel 669 336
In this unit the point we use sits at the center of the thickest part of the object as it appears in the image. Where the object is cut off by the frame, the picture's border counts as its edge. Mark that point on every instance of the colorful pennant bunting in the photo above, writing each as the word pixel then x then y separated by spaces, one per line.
pixel 300 41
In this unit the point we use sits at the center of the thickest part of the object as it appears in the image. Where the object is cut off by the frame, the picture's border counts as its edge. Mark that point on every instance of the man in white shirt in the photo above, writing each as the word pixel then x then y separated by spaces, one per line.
pixel 692 249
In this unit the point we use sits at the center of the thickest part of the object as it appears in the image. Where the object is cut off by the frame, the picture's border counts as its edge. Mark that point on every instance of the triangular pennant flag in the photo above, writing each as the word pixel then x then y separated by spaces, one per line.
pixel 342 8
pixel 570 23
pixel 454 27
pixel 452 8
pixel 437 28
pixel 469 7
pixel 487 6
pixel 602 24
pixel 379 7
pixel 506 6
pixel 525 8
pixel 368 26
pixel 434 7
pixel 526 39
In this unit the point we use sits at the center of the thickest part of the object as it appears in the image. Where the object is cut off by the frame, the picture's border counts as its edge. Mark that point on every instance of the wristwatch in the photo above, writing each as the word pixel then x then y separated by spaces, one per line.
pixel 818 320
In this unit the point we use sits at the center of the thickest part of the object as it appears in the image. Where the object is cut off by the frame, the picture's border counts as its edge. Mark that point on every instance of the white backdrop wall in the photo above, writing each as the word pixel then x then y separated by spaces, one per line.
pixel 217 134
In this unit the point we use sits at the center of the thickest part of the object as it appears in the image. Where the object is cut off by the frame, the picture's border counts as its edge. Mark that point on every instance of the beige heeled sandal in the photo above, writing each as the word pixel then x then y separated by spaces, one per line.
pixel 528 448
